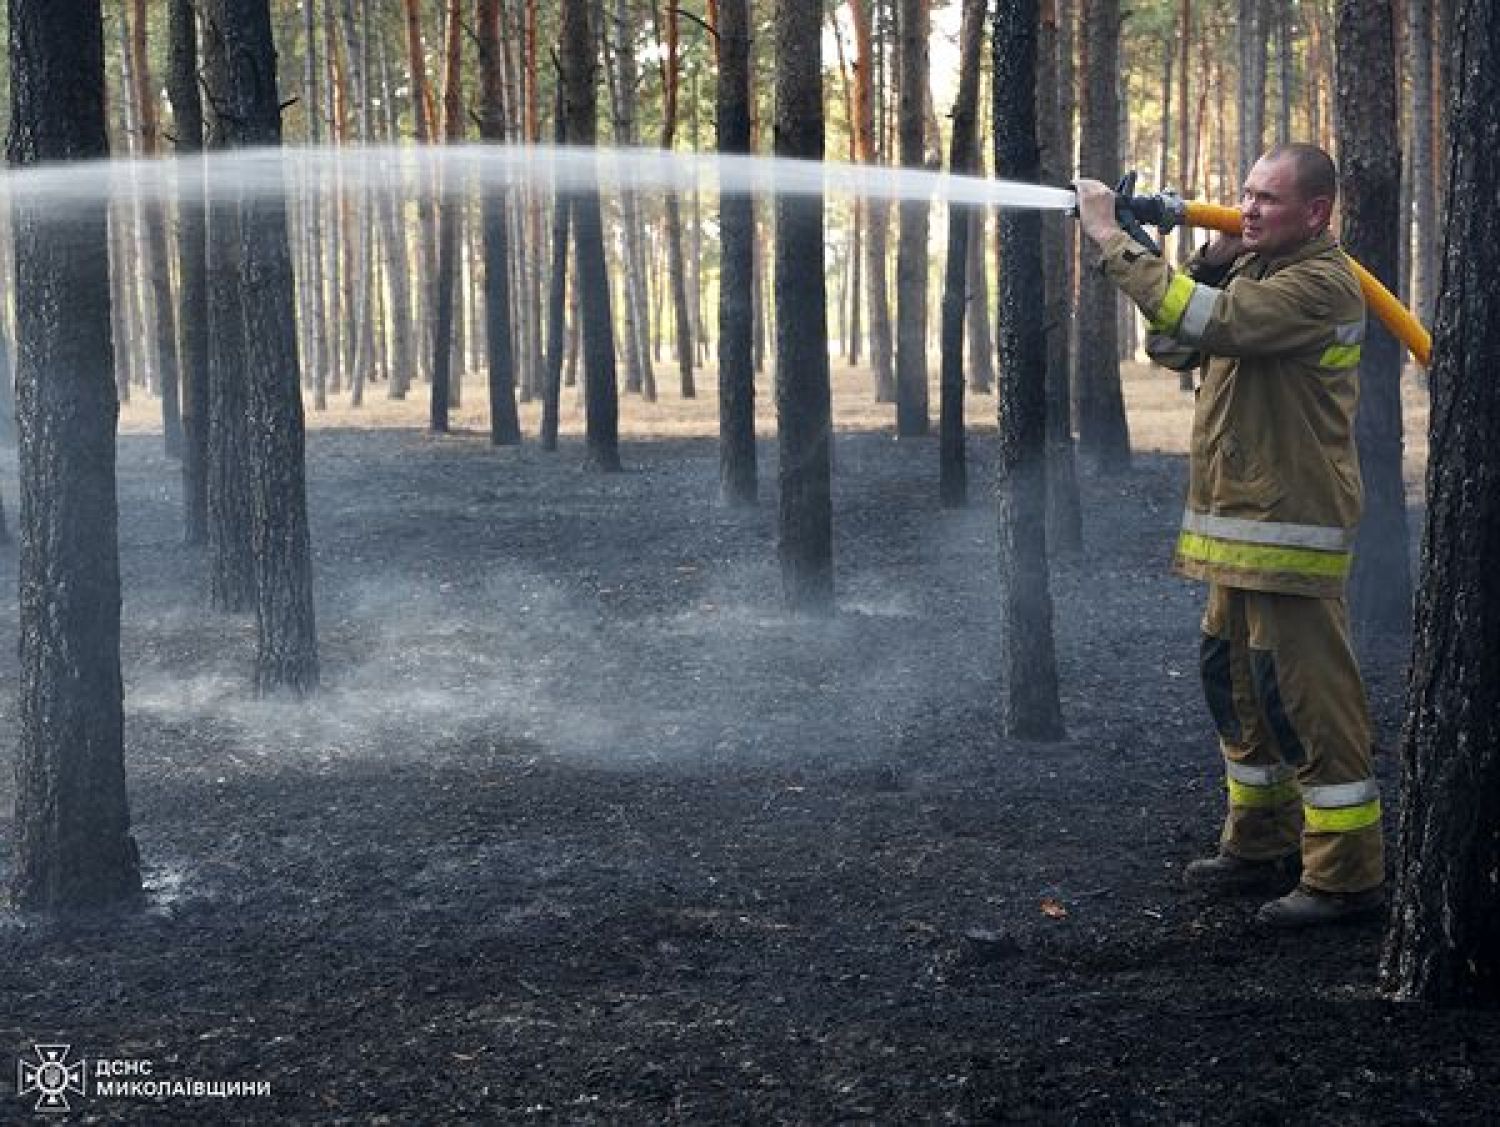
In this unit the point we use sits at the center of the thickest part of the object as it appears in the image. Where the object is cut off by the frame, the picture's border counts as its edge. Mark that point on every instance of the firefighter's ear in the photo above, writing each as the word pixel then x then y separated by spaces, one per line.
pixel 1319 213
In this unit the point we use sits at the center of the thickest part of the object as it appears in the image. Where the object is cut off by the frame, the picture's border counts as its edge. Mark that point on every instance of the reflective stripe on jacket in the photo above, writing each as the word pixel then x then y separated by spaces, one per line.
pixel 1274 491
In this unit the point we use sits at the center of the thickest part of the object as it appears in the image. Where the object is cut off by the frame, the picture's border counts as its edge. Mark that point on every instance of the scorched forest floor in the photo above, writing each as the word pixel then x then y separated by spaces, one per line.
pixel 583 829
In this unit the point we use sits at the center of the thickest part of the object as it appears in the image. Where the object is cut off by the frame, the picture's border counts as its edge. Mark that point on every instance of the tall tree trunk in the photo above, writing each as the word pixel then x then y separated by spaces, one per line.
pixel 241 79
pixel 1102 431
pixel 676 270
pixel 73 848
pixel 1029 664
pixel 424 129
pixel 638 377
pixel 803 406
pixel 1054 131
pixel 981 362
pixel 911 248
pixel 737 469
pixel 1370 170
pixel 1443 942
pixel 601 403
pixel 1423 162
pixel 192 265
pixel 963 159
pixel 231 571
pixel 505 427
pixel 557 291
pixel 154 216
pixel 314 280
pixel 360 205
pixel 446 279
pixel 397 258
pixel 1251 39
pixel 877 211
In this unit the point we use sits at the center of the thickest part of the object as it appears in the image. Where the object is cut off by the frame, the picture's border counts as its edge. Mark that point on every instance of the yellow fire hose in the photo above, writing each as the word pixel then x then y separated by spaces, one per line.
pixel 1402 323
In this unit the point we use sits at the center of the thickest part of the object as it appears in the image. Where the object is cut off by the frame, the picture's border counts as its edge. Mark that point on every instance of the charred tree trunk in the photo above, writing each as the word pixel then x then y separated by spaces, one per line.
pixel 231 573
pixel 192 265
pixel 804 426
pixel 600 394
pixel 1370 168
pixel 1029 664
pixel 1064 508
pixel 73 845
pixel 737 468
pixel 505 427
pixel 1443 943
pixel 963 159
pixel 911 248
pixel 241 79
pixel 1103 433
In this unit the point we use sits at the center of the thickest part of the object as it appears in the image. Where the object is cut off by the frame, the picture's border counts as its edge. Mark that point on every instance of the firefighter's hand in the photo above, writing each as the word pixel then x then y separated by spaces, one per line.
pixel 1096 209
pixel 1223 250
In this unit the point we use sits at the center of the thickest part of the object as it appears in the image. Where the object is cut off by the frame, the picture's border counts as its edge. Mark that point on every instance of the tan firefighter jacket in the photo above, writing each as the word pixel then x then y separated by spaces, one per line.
pixel 1274 491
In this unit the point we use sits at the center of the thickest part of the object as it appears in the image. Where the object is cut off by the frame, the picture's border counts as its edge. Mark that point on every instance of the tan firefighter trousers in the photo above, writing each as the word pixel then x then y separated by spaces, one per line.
pixel 1284 689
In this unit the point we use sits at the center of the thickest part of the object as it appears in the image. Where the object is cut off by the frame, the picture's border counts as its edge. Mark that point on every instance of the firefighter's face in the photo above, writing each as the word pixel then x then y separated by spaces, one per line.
pixel 1278 217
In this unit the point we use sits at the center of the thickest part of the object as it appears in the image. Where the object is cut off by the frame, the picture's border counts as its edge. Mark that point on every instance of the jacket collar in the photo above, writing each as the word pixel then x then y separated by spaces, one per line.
pixel 1321 243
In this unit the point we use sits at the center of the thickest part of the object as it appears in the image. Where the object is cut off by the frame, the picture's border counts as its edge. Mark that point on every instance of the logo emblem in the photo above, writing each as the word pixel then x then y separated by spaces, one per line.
pixel 50 1076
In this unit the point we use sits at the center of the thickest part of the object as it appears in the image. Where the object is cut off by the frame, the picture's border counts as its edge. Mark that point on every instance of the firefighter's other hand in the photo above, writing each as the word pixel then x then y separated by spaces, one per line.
pixel 1223 250
pixel 1096 209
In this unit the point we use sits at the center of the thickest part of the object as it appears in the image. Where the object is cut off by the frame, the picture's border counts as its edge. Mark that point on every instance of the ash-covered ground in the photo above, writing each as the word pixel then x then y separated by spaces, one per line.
pixel 584 829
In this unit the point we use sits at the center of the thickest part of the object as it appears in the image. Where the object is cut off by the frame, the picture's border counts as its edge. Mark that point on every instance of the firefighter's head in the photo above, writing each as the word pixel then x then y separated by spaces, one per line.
pixel 1288 199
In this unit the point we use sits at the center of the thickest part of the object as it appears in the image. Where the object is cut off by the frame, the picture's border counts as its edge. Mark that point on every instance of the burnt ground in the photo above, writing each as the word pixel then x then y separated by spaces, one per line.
pixel 582 829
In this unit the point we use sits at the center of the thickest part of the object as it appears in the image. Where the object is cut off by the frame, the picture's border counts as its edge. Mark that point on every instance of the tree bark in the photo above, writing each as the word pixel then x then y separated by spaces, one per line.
pixel 911 248
pixel 505 426
pixel 154 216
pixel 557 292
pixel 73 849
pixel 601 396
pixel 737 463
pixel 1029 666
pixel 676 270
pixel 1370 170
pixel 877 211
pixel 242 82
pixel 451 200
pixel 192 265
pixel 1251 40
pixel 963 159
pixel 1443 942
pixel 1103 434
pixel 803 404
pixel 638 375
pixel 1055 133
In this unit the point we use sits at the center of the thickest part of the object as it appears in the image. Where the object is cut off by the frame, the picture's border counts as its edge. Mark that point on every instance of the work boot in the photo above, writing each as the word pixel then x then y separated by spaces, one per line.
pixel 1229 875
pixel 1307 907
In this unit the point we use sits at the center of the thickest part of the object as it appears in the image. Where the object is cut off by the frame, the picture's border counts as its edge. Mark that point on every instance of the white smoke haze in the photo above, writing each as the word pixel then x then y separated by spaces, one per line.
pixel 521 661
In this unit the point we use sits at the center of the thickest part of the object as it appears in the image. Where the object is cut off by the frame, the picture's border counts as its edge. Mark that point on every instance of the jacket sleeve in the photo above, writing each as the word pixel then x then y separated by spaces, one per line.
pixel 1284 314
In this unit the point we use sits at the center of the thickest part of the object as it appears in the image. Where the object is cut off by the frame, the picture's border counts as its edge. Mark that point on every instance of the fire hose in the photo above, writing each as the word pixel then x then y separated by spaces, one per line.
pixel 1167 210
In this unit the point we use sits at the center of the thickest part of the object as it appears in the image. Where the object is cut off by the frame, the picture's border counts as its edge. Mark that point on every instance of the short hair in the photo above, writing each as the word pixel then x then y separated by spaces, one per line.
pixel 1313 169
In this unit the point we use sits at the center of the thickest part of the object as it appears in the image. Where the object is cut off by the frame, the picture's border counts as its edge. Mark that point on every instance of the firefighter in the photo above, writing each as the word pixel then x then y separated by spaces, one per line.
pixel 1275 318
